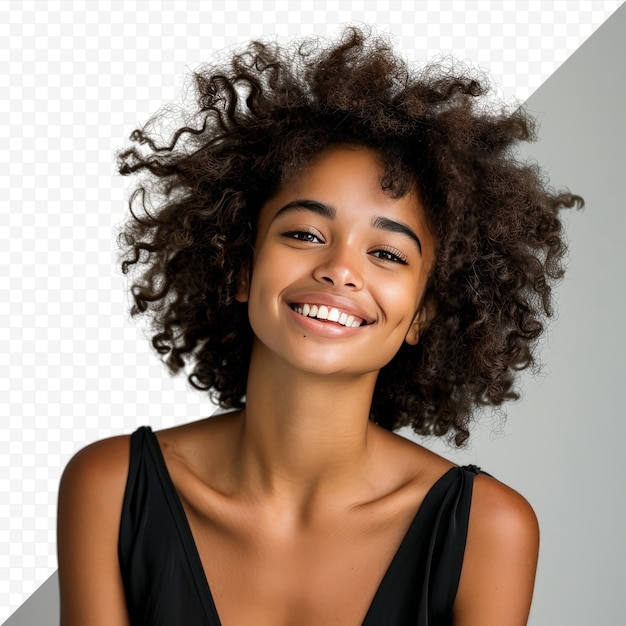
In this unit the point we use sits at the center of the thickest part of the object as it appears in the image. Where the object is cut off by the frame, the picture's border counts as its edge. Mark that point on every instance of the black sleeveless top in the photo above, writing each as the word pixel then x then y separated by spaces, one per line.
pixel 165 584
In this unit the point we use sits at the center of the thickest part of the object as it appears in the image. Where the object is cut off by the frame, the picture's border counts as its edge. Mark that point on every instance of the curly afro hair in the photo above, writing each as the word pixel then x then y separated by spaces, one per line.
pixel 262 116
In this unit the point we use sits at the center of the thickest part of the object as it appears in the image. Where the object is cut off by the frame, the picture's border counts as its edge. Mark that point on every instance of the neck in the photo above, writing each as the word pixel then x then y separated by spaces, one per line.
pixel 303 434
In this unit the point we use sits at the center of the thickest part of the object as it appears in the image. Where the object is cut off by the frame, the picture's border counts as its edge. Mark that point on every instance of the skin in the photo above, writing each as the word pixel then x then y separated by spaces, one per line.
pixel 275 492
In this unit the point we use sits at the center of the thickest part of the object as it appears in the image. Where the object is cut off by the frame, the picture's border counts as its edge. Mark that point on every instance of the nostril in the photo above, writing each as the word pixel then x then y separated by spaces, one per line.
pixel 328 279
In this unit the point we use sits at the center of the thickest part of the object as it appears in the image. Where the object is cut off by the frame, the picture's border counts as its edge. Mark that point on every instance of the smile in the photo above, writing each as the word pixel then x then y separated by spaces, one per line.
pixel 330 314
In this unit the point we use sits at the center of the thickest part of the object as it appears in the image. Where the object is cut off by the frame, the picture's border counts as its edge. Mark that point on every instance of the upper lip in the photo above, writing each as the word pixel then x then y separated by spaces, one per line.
pixel 338 302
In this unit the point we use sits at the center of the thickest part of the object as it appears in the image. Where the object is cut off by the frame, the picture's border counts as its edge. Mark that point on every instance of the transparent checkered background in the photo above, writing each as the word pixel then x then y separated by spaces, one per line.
pixel 76 78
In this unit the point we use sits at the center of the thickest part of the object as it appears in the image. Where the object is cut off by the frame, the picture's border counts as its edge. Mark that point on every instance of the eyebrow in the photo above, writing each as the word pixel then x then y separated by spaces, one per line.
pixel 325 210
pixel 329 212
pixel 384 223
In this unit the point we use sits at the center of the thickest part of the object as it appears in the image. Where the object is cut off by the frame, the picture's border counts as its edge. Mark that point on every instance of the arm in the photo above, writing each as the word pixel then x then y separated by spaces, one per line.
pixel 90 505
pixel 500 561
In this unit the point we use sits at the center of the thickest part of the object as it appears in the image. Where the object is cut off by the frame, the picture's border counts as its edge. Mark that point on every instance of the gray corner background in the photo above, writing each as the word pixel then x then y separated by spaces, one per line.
pixel 563 443
pixel 41 609
pixel 573 453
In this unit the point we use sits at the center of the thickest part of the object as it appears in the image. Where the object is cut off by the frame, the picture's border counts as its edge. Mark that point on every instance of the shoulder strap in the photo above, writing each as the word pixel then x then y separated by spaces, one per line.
pixel 163 578
pixel 134 495
pixel 449 541
pixel 420 585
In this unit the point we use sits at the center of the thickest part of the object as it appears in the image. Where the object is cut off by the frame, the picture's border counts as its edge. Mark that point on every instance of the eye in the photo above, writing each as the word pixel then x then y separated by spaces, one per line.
pixel 390 255
pixel 308 236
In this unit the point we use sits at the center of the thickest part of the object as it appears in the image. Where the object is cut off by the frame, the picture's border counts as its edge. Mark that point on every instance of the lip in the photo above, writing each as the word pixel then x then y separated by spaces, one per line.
pixel 338 302
pixel 323 328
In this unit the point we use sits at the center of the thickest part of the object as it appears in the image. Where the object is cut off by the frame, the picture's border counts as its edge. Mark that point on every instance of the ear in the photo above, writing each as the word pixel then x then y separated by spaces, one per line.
pixel 422 319
pixel 243 285
pixel 413 335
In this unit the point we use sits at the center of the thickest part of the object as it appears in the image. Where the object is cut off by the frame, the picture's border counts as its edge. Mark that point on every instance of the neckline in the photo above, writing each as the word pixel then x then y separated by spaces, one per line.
pixel 193 556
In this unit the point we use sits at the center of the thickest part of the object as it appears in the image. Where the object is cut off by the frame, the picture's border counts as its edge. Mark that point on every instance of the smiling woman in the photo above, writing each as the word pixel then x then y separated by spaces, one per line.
pixel 337 246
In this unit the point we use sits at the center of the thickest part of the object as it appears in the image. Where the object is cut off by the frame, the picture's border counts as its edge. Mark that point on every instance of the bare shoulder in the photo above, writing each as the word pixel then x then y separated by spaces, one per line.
pixel 500 513
pixel 104 462
pixel 94 481
pixel 89 509
pixel 498 573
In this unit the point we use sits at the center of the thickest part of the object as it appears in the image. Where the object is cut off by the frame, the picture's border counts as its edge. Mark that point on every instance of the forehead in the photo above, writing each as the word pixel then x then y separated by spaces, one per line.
pixel 347 177
pixel 356 169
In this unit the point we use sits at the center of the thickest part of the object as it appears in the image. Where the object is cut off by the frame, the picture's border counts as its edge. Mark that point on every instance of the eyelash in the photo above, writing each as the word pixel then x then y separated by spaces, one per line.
pixel 387 253
pixel 308 237
pixel 392 255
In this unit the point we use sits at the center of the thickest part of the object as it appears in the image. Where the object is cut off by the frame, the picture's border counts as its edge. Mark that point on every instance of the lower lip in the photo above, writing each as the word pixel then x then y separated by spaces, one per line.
pixel 323 327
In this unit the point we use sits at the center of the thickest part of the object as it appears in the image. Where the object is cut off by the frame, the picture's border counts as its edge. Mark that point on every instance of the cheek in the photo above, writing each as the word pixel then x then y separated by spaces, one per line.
pixel 402 299
pixel 266 283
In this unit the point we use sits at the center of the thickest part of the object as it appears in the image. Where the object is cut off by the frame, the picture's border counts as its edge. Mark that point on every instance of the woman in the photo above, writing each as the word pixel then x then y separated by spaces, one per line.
pixel 337 246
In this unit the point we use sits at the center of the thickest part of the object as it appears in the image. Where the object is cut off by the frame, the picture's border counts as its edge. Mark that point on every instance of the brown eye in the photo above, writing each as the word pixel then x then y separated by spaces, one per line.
pixel 391 255
pixel 303 235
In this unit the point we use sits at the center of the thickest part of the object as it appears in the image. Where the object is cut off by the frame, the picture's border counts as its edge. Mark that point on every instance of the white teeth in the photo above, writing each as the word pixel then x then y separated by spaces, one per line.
pixel 331 314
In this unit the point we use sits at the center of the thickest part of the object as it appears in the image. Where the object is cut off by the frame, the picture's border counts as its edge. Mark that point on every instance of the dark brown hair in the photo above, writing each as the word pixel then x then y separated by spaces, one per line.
pixel 263 115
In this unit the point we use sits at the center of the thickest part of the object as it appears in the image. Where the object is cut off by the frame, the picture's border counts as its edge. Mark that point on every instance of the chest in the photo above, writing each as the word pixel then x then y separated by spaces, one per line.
pixel 261 574
pixel 184 563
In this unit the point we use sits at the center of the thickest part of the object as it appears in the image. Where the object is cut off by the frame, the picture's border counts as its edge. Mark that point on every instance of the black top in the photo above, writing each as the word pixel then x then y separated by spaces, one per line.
pixel 165 584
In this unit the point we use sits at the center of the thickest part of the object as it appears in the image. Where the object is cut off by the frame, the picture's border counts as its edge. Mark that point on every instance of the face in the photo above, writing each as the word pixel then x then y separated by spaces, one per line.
pixel 339 268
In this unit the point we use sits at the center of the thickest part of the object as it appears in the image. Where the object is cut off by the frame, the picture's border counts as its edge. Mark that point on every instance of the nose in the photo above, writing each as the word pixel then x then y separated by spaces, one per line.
pixel 340 267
